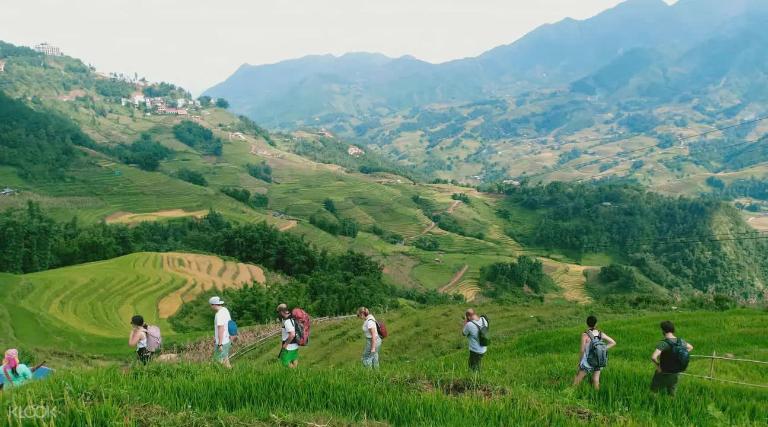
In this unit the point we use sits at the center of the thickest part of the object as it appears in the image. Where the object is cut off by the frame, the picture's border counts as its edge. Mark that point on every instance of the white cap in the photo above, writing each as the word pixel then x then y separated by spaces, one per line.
pixel 215 301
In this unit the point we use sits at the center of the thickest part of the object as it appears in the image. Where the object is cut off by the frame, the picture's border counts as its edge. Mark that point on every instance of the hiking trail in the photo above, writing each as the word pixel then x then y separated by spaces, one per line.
pixel 455 280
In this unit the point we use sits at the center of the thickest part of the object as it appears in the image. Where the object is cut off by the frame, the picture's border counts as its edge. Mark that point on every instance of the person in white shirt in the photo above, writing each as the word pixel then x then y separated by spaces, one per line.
pixel 289 348
pixel 138 339
pixel 472 325
pixel 221 331
pixel 372 339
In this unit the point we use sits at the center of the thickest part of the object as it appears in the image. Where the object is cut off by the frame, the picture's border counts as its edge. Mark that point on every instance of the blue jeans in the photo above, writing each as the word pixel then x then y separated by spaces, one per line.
pixel 371 360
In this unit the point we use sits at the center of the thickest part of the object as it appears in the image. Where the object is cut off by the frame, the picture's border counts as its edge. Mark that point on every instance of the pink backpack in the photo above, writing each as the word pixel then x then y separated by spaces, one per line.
pixel 301 322
pixel 154 338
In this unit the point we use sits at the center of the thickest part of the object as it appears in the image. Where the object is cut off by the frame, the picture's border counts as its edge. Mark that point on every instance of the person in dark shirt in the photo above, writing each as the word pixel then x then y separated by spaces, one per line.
pixel 663 379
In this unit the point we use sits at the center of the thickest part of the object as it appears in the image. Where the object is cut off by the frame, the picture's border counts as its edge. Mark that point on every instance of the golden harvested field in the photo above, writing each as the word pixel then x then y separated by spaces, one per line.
pixel 203 273
pixel 135 218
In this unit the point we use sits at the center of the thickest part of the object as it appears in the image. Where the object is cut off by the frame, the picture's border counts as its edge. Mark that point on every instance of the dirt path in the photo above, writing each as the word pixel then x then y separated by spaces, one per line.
pixel 429 228
pixel 292 223
pixel 455 280
pixel 453 206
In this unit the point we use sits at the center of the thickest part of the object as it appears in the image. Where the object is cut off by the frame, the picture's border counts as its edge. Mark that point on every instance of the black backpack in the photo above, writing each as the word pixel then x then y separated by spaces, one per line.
pixel 676 358
pixel 483 336
pixel 598 351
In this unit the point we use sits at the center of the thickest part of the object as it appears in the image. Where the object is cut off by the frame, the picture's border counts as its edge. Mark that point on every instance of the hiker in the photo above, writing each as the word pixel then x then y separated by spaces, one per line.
pixel 221 331
pixel 15 373
pixel 473 325
pixel 372 339
pixel 138 339
pixel 594 353
pixel 671 358
pixel 289 348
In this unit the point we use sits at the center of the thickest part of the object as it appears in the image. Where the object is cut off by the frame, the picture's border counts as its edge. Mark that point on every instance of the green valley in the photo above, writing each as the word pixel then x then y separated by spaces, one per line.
pixel 590 168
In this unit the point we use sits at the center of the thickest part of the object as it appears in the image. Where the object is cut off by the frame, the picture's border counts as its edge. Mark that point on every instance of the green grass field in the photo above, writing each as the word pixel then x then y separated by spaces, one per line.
pixel 424 380
pixel 86 309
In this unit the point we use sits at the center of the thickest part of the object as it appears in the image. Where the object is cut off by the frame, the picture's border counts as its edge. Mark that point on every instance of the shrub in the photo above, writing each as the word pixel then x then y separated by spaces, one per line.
pixel 198 137
pixel 192 177
pixel 427 243
pixel 260 171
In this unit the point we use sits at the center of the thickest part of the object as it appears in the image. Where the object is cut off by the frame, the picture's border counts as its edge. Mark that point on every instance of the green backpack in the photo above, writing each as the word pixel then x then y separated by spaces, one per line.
pixel 483 337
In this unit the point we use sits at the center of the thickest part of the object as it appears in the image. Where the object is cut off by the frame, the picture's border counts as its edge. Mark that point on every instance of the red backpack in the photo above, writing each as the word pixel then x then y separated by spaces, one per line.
pixel 381 329
pixel 301 321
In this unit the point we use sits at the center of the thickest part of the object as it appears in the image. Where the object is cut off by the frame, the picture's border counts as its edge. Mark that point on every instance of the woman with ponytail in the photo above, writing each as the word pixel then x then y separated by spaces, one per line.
pixel 372 338
pixel 138 339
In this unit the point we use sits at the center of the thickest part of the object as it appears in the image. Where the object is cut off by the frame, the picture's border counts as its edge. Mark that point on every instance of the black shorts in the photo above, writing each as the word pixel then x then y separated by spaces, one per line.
pixel 143 355
pixel 664 381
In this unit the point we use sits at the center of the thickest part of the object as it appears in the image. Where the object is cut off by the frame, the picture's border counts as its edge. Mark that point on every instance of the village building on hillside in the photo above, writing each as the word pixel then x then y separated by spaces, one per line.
pixel 2 65
pixel 138 98
pixel 176 111
pixel 47 49
pixel 355 151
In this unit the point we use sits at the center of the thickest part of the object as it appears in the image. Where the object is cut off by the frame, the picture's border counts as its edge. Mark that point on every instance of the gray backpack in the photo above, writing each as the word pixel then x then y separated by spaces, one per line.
pixel 598 351
pixel 483 336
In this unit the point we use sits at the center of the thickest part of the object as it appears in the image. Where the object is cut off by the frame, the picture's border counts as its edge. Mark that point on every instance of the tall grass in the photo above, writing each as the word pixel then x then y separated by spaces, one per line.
pixel 525 381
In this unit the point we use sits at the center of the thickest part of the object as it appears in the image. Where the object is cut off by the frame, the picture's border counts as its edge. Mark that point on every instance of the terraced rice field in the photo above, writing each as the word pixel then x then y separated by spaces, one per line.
pixel 98 299
pixel 203 273
pixel 132 218
pixel 570 278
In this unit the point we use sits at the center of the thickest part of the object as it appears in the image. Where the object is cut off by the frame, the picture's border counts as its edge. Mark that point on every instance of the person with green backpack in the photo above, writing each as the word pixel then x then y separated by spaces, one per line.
pixel 594 353
pixel 671 358
pixel 476 331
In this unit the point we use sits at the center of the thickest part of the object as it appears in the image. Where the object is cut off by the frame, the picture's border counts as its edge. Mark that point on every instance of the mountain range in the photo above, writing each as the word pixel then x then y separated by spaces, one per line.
pixel 689 45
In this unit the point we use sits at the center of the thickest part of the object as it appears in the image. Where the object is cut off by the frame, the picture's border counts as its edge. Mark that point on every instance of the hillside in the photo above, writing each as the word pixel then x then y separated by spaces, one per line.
pixel 99 185
pixel 136 164
pixel 84 309
pixel 428 384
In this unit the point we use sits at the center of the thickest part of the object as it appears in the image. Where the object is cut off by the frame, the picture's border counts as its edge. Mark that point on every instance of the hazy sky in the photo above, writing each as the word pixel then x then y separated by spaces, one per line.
pixel 199 43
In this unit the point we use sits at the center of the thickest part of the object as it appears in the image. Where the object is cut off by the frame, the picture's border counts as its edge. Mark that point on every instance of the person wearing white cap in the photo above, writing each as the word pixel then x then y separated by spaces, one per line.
pixel 221 331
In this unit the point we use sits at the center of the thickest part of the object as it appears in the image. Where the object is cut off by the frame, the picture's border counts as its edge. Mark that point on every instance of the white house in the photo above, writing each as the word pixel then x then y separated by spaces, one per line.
pixel 47 49
pixel 138 98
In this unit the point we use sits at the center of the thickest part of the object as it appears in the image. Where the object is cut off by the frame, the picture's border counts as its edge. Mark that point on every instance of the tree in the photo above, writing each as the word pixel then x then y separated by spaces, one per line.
pixel 427 243
pixel 260 171
pixel 198 137
pixel 192 177
pixel 330 206
pixel 222 103
pixel 205 100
